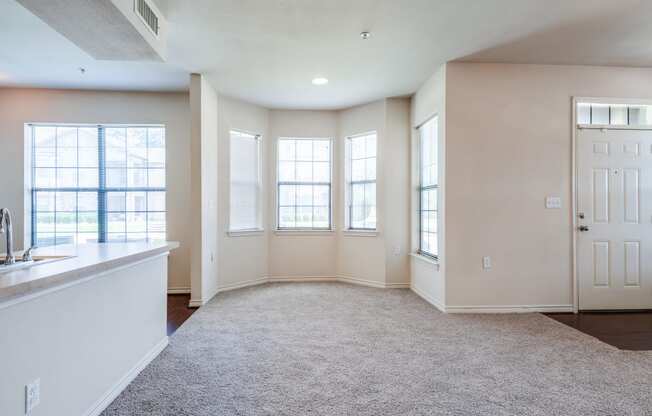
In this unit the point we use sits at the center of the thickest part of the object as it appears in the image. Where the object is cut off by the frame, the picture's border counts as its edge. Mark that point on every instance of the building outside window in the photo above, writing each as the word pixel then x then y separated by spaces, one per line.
pixel 98 183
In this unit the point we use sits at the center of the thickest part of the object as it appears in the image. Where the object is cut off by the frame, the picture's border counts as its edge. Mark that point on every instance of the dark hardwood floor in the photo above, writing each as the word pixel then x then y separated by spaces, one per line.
pixel 178 311
pixel 624 330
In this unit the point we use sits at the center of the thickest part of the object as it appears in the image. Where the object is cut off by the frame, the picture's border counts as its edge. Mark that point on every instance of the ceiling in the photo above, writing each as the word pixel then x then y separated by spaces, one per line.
pixel 268 51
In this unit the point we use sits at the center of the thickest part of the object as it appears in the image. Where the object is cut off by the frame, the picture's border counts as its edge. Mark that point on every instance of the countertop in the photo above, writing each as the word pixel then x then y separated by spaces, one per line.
pixel 85 261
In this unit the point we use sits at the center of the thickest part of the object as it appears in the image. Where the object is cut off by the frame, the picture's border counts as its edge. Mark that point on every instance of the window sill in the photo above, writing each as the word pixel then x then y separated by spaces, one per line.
pixel 303 232
pixel 426 259
pixel 360 233
pixel 245 233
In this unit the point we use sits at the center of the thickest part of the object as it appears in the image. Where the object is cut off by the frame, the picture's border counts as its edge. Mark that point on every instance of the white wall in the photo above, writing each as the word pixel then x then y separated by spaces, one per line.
pixel 360 256
pixel 241 259
pixel 508 146
pixel 80 341
pixel 381 259
pixel 20 106
pixel 204 214
pixel 301 254
pixel 427 278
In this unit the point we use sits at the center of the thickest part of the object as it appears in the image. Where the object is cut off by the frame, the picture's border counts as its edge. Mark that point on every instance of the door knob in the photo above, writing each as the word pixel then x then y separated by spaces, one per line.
pixel 583 228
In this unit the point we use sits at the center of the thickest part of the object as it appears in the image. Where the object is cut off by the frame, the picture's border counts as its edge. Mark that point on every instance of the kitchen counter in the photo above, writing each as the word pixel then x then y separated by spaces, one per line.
pixel 79 263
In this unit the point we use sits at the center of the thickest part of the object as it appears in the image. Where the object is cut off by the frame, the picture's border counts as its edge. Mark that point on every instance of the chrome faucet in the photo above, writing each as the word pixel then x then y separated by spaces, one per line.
pixel 7 228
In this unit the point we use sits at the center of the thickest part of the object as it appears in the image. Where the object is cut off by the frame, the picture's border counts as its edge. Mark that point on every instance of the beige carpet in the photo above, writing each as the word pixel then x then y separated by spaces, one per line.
pixel 338 349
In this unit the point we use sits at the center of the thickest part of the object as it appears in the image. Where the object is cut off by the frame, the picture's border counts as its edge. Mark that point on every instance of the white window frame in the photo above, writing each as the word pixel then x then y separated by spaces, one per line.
pixel 258 228
pixel 348 184
pixel 421 189
pixel 301 230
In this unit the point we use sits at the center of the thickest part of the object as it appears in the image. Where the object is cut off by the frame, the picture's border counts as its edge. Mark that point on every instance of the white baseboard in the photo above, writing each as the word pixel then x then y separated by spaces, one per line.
pixel 110 395
pixel 178 290
pixel 430 299
pixel 195 303
pixel 278 279
pixel 509 309
pixel 240 285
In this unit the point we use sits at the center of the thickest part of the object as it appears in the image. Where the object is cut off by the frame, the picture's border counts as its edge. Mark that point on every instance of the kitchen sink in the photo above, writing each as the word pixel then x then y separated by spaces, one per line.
pixel 36 261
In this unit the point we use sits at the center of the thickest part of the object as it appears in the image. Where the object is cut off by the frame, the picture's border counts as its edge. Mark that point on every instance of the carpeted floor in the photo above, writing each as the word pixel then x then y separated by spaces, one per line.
pixel 338 349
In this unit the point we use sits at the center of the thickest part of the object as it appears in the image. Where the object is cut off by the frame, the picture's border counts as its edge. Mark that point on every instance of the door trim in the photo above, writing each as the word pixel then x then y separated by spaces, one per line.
pixel 574 175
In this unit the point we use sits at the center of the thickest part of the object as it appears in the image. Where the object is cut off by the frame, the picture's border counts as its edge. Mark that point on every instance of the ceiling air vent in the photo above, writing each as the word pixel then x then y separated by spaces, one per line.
pixel 147 15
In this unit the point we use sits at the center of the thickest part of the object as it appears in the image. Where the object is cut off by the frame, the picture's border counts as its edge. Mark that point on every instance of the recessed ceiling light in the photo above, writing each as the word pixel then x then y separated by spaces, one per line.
pixel 365 35
pixel 320 81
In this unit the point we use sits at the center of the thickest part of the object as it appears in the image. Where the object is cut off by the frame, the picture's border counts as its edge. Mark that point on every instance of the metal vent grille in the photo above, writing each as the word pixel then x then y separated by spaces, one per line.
pixel 147 15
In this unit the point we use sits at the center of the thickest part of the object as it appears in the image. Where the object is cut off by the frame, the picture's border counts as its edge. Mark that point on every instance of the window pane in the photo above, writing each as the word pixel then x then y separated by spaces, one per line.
pixel 156 158
pixel 287 195
pixel 66 201
pixel 156 201
pixel 136 201
pixel 322 150
pixel 87 137
pixel 45 178
pixel 156 222
pixel 357 219
pixel 68 157
pixel 599 114
pixel 66 222
pixel 306 162
pixel 116 178
pixel 304 150
pixel 67 137
pixel 320 217
pixel 370 194
pixel 304 195
pixel 357 194
pixel 45 136
pixel 286 217
pixel 87 201
pixel 67 178
pixel 45 157
pixel 286 149
pixel 88 178
pixel 429 179
pixel 87 223
pixel 618 115
pixel 88 157
pixel 116 222
pixel 245 181
pixel 156 178
pixel 45 201
pixel 116 201
pixel 304 217
pixel 156 137
pixel 357 147
pixel 370 149
pixel 136 222
pixel 322 195
pixel 322 172
pixel 116 137
pixel 137 178
pixel 286 172
pixel 583 113
pixel 304 171
pixel 370 170
pixel 116 157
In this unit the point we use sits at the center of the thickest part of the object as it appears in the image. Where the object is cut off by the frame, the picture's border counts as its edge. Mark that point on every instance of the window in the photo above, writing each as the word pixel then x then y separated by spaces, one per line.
pixel 428 188
pixel 361 182
pixel 245 182
pixel 304 184
pixel 97 184
pixel 614 114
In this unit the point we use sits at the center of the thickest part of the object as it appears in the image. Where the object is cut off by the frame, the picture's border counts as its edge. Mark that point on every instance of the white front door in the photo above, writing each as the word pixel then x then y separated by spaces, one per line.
pixel 614 217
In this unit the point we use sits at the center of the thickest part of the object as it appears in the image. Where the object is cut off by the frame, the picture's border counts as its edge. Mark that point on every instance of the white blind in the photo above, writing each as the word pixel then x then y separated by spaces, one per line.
pixel 245 182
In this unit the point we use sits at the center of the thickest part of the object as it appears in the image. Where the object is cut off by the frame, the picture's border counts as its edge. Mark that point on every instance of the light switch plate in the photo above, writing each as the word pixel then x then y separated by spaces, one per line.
pixel 553 202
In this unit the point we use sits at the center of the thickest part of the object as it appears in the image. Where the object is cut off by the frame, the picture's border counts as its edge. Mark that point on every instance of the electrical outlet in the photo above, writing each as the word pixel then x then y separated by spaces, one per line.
pixel 32 395
pixel 486 262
